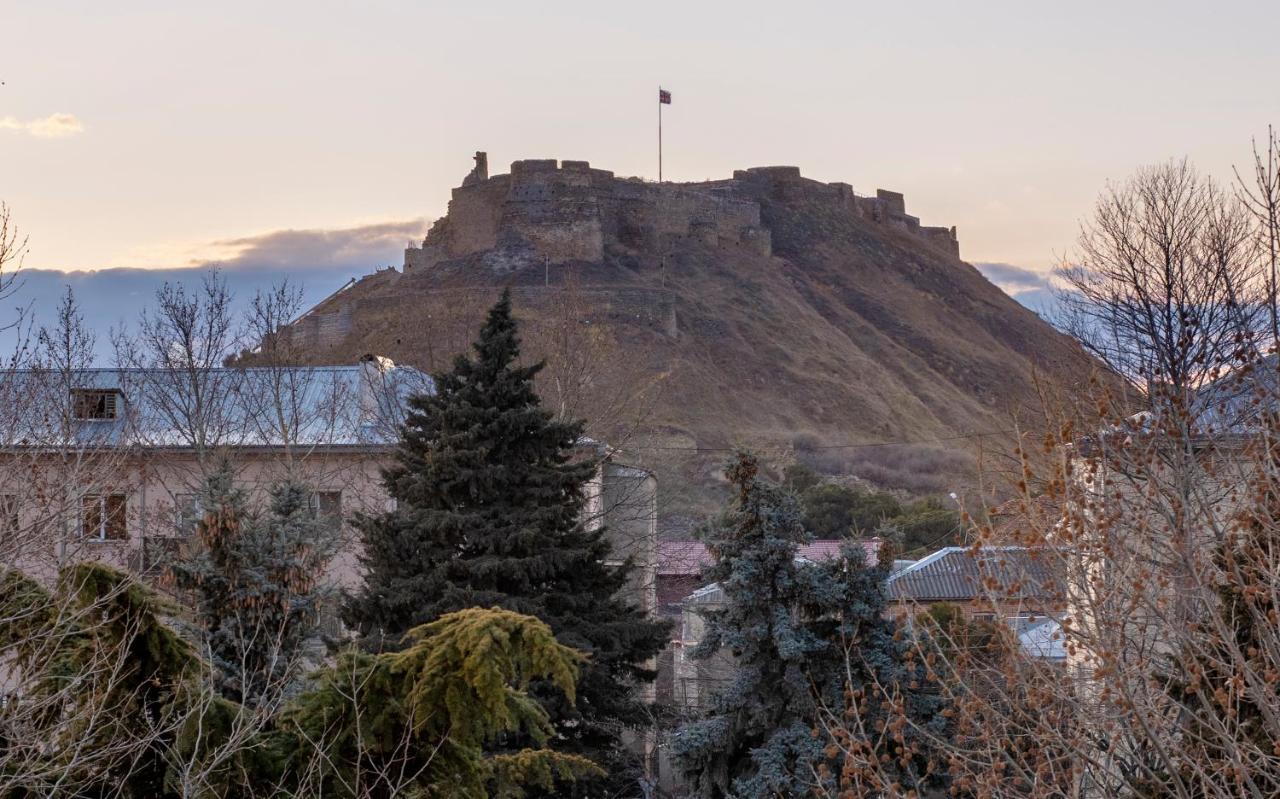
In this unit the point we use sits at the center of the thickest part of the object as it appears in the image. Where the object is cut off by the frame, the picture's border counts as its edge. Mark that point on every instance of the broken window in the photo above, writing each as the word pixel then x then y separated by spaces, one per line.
pixel 92 404
pixel 103 517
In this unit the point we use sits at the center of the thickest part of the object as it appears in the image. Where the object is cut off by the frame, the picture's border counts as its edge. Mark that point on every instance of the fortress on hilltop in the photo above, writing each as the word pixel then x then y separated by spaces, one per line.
pixel 544 211
pixel 545 214
pixel 763 308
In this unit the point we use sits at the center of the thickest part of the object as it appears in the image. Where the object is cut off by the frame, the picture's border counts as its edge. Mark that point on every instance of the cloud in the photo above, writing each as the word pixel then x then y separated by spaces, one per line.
pixel 317 261
pixel 1041 291
pixel 365 247
pixel 362 247
pixel 54 126
pixel 1015 280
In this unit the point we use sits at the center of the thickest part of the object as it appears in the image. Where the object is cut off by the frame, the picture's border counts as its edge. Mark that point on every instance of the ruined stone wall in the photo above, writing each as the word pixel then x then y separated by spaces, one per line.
pixel 567 211
pixel 887 208
pixel 555 211
pixel 621 306
pixel 651 213
pixel 322 330
pixel 562 212
pixel 475 217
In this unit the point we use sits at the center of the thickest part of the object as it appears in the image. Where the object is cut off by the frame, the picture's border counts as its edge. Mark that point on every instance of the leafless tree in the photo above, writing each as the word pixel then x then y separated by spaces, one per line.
pixel 1163 528
pixel 1259 192
pixel 13 248
pixel 1166 289
pixel 284 402
pixel 175 356
pixel 60 730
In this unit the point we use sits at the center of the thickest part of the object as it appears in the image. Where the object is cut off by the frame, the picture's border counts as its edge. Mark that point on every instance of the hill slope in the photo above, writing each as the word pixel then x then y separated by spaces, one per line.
pixel 682 319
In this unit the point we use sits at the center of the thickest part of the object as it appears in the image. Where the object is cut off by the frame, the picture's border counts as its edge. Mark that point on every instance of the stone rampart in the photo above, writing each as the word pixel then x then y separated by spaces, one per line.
pixel 321 330
pixel 887 208
pixel 564 212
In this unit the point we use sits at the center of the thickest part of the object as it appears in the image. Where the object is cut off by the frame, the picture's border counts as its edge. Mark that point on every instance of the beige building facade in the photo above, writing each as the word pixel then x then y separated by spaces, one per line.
pixel 108 464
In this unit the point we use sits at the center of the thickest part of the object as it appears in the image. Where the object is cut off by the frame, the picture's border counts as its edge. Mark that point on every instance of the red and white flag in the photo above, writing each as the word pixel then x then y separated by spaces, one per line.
pixel 664 97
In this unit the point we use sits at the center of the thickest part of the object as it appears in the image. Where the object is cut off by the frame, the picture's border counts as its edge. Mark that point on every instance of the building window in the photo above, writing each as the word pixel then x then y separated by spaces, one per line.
pixel 8 514
pixel 186 513
pixel 102 517
pixel 327 505
pixel 93 404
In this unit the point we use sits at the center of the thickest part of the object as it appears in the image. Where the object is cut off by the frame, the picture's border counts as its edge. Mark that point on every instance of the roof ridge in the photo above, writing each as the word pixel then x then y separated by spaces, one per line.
pixel 927 560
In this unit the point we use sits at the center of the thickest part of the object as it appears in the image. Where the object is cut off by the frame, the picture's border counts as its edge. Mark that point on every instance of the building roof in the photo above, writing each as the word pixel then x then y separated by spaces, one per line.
pixel 237 407
pixel 961 574
pixel 1043 638
pixel 1238 401
pixel 692 558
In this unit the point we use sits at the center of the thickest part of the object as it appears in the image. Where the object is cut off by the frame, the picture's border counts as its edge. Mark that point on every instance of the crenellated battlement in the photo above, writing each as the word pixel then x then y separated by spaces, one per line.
pixel 550 211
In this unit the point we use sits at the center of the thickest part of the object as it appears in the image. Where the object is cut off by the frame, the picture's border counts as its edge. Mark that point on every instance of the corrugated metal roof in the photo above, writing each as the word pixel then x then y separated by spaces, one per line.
pixel 958 574
pixel 360 405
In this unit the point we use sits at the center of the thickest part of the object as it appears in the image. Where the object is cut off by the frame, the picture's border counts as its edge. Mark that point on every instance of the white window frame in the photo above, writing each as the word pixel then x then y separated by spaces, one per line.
pixel 100 535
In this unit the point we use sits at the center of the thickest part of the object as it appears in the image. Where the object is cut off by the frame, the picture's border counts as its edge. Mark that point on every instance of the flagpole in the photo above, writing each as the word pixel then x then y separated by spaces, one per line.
pixel 659 134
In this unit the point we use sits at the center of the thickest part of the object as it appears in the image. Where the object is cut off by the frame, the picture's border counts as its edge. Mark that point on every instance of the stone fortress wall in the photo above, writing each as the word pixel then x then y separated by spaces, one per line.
pixel 315 329
pixel 559 212
pixel 549 212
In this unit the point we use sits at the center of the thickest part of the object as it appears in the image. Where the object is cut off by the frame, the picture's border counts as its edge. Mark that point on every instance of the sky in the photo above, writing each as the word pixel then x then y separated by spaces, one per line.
pixel 320 137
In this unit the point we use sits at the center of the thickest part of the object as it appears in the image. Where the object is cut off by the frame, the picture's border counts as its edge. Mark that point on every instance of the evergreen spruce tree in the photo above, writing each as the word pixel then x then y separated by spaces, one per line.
pixel 489 514
pixel 787 625
pixel 256 584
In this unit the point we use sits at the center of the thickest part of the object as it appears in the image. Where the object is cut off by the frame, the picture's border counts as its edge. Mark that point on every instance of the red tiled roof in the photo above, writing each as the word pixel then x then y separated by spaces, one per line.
pixel 692 558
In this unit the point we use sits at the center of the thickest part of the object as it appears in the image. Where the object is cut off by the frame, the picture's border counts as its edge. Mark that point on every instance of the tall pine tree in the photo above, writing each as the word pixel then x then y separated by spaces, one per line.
pixel 489 513
pixel 810 646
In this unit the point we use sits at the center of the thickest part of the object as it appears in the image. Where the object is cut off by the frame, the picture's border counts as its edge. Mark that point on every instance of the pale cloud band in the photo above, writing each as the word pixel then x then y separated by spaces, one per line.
pixel 317 261
pixel 1015 280
pixel 54 126
pixel 364 247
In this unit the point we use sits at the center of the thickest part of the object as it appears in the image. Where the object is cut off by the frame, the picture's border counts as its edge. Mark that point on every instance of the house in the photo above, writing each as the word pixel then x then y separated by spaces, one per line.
pixel 682 594
pixel 1021 586
pixel 106 464
pixel 681 565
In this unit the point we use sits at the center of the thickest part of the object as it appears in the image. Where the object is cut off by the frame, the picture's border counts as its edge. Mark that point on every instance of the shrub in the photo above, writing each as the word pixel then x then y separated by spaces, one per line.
pixel 836 511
